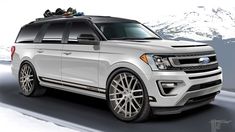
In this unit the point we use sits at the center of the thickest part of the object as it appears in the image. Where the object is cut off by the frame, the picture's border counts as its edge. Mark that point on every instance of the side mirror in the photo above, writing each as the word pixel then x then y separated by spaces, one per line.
pixel 89 39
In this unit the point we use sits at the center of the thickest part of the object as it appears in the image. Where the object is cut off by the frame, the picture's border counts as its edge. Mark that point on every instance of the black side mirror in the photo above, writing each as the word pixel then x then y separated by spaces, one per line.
pixel 87 39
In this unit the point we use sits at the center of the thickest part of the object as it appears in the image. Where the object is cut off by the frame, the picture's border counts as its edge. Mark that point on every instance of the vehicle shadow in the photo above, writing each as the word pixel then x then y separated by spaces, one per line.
pixel 78 99
pixel 198 119
pixel 102 105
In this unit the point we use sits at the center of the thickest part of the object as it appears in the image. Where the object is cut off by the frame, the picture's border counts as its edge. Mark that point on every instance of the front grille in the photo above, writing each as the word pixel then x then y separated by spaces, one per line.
pixel 205 76
pixel 193 60
pixel 203 70
pixel 183 61
pixel 204 85
pixel 190 62
pixel 195 69
pixel 201 98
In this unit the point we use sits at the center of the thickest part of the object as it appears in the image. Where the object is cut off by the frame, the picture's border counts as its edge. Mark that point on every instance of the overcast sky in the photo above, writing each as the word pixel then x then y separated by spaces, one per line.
pixel 16 13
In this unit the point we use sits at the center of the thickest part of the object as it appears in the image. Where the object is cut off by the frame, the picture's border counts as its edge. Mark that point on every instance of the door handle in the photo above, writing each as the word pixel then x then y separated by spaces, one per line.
pixel 40 51
pixel 67 53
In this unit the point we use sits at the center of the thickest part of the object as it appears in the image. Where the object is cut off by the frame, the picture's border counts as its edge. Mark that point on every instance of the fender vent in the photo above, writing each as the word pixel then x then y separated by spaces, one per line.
pixel 185 46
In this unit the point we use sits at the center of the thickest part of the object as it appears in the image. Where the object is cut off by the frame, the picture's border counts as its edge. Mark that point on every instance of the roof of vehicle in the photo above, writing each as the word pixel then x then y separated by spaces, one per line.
pixel 95 19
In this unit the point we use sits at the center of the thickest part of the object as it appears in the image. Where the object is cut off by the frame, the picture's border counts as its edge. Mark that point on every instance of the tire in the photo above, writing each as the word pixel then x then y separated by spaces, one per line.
pixel 28 81
pixel 127 96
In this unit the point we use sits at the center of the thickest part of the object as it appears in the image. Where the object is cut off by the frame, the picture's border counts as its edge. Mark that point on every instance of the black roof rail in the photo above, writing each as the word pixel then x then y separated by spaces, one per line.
pixel 53 17
pixel 60 14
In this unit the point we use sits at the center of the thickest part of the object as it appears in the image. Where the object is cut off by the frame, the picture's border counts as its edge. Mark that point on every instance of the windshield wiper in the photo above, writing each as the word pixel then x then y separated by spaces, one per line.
pixel 150 38
pixel 125 38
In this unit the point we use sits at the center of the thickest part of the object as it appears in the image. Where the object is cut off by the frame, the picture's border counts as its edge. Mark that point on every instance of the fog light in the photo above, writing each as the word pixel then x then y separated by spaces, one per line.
pixel 169 88
pixel 168 84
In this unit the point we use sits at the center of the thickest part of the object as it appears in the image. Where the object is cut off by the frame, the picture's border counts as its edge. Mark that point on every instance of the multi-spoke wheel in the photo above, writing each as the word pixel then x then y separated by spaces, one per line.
pixel 29 85
pixel 127 97
pixel 26 79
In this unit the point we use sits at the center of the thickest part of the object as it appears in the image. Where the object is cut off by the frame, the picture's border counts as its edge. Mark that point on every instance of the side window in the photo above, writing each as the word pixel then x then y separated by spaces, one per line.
pixel 28 33
pixel 77 29
pixel 54 33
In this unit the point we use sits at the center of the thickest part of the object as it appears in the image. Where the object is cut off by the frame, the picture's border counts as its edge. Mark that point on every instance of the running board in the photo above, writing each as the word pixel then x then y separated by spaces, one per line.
pixel 73 87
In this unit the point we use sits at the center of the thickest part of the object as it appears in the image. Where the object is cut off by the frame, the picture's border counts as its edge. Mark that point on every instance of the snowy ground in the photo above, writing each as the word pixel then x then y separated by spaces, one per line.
pixel 15 119
pixel 11 121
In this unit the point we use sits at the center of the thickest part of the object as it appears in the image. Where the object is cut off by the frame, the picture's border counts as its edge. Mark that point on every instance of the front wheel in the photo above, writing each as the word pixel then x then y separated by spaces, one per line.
pixel 127 96
pixel 29 84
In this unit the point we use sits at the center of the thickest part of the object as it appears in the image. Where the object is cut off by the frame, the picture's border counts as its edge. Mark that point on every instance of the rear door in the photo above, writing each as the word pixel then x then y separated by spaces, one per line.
pixel 79 60
pixel 48 51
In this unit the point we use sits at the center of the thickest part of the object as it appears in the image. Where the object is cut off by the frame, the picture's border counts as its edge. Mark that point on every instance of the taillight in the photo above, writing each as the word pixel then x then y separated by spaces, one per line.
pixel 13 49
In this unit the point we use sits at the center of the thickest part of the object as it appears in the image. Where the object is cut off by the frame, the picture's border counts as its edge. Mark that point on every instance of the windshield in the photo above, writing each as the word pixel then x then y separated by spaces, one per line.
pixel 126 31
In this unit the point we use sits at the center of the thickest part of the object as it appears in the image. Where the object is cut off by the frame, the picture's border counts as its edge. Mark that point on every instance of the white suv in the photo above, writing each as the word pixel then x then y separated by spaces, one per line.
pixel 119 60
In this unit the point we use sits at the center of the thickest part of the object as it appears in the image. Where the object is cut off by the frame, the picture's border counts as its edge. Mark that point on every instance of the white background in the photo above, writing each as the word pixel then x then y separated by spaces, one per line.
pixel 16 13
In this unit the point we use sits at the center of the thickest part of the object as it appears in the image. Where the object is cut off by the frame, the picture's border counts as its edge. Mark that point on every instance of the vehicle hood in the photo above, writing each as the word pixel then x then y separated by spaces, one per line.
pixel 164 46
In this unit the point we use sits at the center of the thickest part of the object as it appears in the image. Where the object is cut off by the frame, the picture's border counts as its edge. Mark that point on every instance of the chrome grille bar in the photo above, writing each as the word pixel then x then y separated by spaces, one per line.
pixel 192 60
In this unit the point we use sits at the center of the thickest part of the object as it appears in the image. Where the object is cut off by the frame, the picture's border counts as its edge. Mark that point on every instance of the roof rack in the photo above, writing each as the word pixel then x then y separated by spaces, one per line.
pixel 53 17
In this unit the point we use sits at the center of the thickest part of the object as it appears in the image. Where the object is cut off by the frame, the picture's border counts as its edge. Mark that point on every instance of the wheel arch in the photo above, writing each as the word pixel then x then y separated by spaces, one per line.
pixel 140 73
pixel 26 60
pixel 30 63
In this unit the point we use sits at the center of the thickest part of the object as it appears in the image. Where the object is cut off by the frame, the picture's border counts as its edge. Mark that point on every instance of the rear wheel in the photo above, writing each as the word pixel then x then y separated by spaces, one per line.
pixel 29 84
pixel 127 96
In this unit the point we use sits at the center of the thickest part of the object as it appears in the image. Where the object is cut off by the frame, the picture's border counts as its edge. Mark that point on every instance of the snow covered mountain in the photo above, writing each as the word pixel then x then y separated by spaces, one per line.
pixel 200 23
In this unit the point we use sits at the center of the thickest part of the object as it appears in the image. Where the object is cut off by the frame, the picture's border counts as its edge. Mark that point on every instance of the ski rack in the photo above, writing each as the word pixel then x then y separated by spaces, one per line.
pixel 59 13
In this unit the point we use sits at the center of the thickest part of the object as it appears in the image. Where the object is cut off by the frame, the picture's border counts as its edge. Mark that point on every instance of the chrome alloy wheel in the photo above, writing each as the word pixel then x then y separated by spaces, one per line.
pixel 26 79
pixel 126 95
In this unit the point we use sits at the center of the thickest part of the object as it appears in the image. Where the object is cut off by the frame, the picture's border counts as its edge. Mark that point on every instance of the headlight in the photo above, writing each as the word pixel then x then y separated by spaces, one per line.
pixel 161 62
pixel 155 62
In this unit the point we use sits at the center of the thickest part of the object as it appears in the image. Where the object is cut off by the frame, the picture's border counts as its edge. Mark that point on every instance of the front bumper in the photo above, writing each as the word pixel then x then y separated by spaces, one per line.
pixel 157 100
pixel 190 104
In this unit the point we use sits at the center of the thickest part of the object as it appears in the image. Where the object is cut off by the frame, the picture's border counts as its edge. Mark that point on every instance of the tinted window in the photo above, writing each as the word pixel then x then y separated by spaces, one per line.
pixel 54 33
pixel 124 30
pixel 77 29
pixel 28 33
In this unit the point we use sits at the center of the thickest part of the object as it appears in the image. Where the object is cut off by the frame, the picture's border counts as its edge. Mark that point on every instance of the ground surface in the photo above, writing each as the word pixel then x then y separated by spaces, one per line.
pixel 11 121
pixel 93 113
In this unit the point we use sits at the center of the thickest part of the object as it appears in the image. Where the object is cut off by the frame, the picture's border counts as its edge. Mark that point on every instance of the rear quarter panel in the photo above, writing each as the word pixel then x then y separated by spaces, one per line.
pixel 23 52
